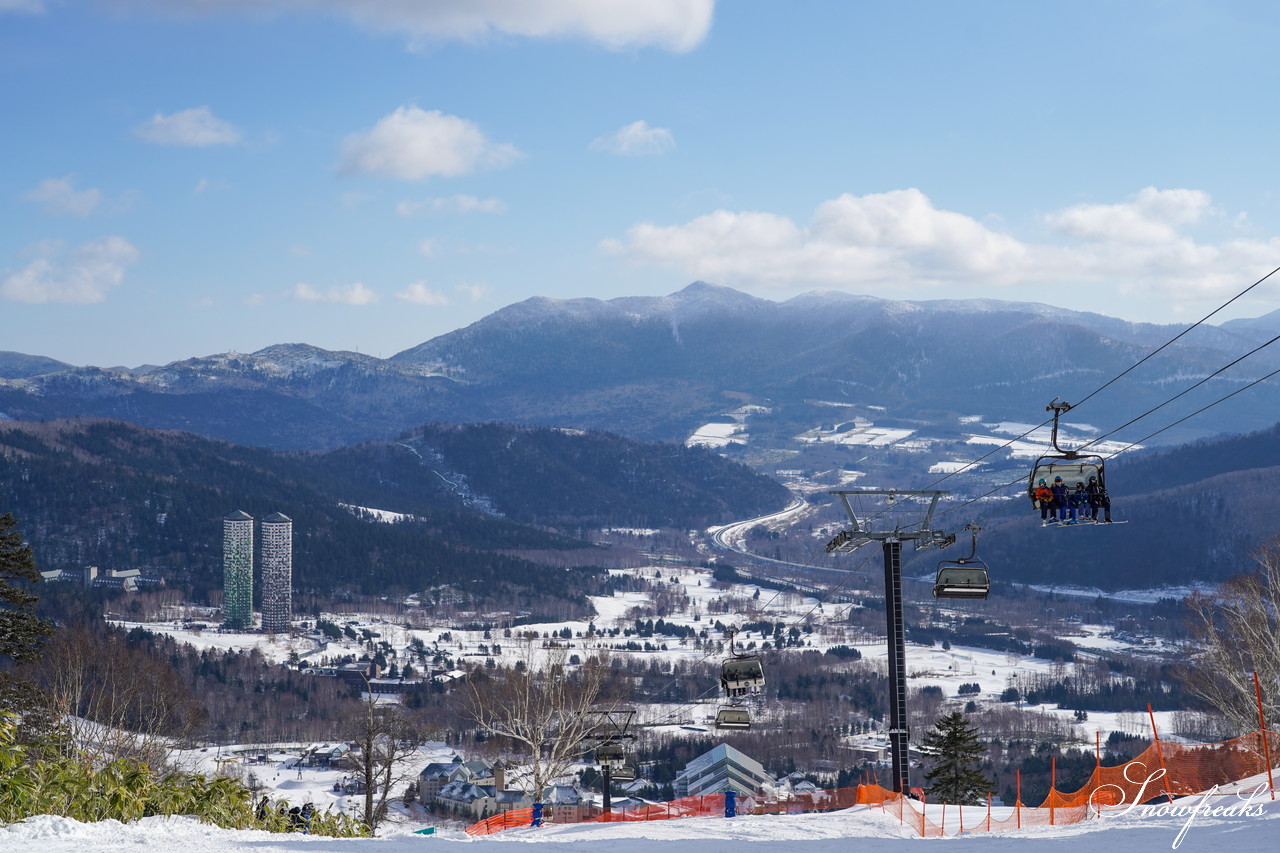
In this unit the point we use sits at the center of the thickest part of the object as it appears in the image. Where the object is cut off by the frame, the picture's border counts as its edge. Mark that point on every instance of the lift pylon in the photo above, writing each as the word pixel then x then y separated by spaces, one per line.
pixel 889 517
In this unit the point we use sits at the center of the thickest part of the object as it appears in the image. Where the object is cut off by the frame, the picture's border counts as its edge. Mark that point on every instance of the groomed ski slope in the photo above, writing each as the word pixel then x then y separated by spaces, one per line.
pixel 858 830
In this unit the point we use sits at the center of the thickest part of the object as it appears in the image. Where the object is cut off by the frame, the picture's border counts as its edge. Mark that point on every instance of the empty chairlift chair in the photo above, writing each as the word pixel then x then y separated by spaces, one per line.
pixel 733 717
pixel 740 676
pixel 963 578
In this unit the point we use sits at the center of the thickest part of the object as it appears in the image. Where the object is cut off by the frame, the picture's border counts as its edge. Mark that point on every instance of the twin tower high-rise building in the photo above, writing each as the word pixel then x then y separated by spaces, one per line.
pixel 277 571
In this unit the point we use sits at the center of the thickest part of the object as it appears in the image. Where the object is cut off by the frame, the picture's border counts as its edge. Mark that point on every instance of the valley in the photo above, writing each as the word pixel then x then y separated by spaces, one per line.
pixel 436 557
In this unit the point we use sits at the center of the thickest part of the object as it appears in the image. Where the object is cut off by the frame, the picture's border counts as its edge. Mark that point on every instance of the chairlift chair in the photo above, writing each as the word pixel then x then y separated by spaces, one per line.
pixel 733 717
pixel 1071 465
pixel 963 578
pixel 625 773
pixel 610 755
pixel 740 676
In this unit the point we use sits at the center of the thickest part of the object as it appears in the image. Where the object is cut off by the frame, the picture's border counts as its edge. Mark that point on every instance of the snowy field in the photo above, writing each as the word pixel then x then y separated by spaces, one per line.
pixel 864 829
pixel 717 435
pixel 927 666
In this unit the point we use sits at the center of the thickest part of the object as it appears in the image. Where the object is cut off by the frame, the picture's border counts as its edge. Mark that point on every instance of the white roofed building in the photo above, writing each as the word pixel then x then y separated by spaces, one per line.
pixel 721 769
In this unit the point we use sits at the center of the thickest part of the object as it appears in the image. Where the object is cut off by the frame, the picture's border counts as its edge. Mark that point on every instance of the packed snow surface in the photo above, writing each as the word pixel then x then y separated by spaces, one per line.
pixel 864 829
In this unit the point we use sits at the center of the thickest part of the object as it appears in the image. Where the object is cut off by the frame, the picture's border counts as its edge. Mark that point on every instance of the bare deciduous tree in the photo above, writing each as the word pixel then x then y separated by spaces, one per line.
pixel 546 707
pixel 1238 629
pixel 114 699
pixel 383 739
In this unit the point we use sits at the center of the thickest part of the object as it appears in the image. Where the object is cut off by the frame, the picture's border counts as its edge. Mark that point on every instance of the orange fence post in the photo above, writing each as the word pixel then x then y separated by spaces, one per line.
pixel 1262 723
pixel 988 811
pixel 1160 752
pixel 942 830
pixel 1053 785
pixel 1017 798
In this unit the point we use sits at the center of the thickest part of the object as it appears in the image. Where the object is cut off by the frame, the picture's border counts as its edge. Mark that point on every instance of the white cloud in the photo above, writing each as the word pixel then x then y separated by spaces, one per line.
pixel 851 240
pixel 83 275
pixel 419 294
pixel 351 294
pixel 452 204
pixel 636 139
pixel 676 25
pixel 205 186
pixel 31 6
pixel 899 241
pixel 429 247
pixel 412 144
pixel 476 292
pixel 1151 216
pixel 197 127
pixel 59 196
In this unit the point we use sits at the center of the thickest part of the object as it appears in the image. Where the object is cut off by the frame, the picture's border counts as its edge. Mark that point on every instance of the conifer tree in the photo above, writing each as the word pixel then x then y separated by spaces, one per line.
pixel 21 631
pixel 954 777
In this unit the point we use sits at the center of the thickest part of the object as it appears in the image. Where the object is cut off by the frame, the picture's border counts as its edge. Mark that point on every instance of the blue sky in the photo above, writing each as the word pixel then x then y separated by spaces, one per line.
pixel 188 177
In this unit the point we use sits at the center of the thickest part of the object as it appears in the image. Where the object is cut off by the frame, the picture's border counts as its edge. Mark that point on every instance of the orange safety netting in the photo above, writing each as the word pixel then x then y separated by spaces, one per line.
pixel 500 821
pixel 707 805
pixel 1163 770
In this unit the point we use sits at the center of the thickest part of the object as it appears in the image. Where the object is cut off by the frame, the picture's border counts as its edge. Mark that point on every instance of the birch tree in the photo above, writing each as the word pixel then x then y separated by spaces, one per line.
pixel 115 699
pixel 1237 627
pixel 546 707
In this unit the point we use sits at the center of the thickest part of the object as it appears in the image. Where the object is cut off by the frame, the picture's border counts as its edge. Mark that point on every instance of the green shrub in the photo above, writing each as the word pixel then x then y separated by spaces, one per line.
pixel 126 790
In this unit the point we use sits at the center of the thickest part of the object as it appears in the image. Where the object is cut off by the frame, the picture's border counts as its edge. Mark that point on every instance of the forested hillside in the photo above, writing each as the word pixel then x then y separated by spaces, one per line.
pixel 561 478
pixel 115 495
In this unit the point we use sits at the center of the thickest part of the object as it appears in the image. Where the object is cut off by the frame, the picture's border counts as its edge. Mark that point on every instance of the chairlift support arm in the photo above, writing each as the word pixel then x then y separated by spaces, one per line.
pixel 1058 409
pixel 860 533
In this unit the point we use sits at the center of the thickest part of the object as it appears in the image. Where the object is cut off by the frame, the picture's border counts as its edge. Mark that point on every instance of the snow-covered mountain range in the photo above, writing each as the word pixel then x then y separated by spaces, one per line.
pixel 660 367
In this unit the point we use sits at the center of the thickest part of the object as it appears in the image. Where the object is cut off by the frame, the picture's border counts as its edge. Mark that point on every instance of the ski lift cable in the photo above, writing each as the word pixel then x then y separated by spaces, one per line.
pixel 1129 446
pixel 1181 393
pixel 1172 340
pixel 1145 414
pixel 1115 379
pixel 1223 399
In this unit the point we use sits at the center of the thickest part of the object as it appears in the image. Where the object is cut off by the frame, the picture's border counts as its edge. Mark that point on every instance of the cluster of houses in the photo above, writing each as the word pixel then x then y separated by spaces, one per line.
pixel 475 790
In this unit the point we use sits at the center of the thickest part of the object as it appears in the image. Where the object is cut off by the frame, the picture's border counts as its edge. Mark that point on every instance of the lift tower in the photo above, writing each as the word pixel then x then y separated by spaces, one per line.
pixel 892 507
